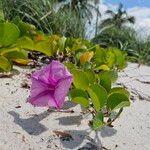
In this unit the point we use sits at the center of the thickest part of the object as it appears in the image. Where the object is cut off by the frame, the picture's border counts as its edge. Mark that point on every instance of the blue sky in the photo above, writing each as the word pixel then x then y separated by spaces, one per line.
pixel 140 9
pixel 129 3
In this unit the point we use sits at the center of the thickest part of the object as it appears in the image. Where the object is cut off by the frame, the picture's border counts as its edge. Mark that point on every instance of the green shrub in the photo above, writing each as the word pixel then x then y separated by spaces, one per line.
pixel 43 14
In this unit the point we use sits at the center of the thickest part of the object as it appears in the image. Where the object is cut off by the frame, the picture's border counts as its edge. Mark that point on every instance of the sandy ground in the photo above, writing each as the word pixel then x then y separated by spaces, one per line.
pixel 23 127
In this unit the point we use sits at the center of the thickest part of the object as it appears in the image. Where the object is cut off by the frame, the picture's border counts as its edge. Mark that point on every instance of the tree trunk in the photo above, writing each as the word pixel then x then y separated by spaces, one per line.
pixel 97 7
pixel 74 3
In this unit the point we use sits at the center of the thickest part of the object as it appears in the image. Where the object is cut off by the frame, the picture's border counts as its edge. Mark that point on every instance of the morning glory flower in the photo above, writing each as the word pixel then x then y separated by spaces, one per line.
pixel 50 85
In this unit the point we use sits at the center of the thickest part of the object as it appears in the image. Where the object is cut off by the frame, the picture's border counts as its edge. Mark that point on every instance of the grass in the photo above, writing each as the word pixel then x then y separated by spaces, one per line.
pixel 127 38
pixel 44 16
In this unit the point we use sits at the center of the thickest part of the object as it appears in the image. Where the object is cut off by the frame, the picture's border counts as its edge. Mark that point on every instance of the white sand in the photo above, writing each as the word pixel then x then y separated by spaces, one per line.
pixel 29 128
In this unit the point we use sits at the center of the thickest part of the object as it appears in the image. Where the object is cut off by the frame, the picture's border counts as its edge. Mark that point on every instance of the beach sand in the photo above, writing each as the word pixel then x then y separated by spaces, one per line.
pixel 24 127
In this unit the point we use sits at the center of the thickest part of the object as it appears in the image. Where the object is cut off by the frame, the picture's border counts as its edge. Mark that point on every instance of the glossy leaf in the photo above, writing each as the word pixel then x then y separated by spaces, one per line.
pixel 80 80
pixel 117 100
pixel 105 81
pixel 111 74
pixel 119 90
pixel 5 65
pixel 98 96
pixel 120 58
pixel 110 59
pixel 80 97
pixel 9 33
pixel 4 51
pixel 41 46
pixel 103 67
pixel 44 47
pixel 91 76
pixel 25 43
pixel 25 28
pixel 100 55
pixel 20 57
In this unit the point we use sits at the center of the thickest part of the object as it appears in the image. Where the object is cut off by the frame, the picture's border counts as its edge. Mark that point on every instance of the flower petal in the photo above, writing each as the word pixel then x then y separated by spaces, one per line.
pixel 45 99
pixel 50 85
pixel 44 75
pixel 62 90
pixel 58 71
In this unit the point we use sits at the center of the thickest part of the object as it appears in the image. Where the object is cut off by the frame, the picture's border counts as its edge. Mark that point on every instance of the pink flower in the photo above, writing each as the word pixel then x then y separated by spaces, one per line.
pixel 50 85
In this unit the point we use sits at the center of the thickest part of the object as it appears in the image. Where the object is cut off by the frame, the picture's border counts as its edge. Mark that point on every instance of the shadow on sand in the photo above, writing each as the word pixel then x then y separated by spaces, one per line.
pixel 31 125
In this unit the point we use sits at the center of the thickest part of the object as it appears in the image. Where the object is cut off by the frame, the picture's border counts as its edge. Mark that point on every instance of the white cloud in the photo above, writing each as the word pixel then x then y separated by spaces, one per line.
pixel 142 15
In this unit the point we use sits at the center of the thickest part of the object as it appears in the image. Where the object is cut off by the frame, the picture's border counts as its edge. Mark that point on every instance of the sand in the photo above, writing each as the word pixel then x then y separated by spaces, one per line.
pixel 23 127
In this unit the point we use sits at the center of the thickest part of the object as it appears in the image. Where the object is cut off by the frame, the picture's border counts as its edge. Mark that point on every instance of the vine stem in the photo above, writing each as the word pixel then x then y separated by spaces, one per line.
pixel 118 114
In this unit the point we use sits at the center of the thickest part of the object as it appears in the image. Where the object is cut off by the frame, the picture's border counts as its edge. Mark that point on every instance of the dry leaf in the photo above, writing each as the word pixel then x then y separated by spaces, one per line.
pixel 62 134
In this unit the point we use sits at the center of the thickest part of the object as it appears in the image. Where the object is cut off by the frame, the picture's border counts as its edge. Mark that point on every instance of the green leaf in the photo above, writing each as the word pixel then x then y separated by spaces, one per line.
pixel 18 56
pixel 110 58
pixel 87 65
pixel 117 100
pixel 9 33
pixel 25 43
pixel 119 90
pixel 41 46
pixel 3 51
pixel 69 65
pixel 77 56
pixel 1 12
pixel 102 67
pixel 98 121
pixel 91 76
pixel 98 96
pixel 44 47
pixel 80 79
pixel 105 81
pixel 100 55
pixel 80 97
pixel 120 58
pixel 61 43
pixel 113 75
pixel 4 64
pixel 25 28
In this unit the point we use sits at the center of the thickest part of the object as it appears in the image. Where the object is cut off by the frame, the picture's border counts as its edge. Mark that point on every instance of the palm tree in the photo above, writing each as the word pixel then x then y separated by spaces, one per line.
pixel 117 19
pixel 97 2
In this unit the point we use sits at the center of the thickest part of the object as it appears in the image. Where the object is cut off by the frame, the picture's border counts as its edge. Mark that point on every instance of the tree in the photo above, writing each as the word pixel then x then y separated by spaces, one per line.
pixel 117 19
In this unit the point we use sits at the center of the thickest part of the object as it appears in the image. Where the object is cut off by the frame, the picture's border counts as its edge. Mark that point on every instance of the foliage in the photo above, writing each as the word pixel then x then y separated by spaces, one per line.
pixel 1 12
pixel 92 85
pixel 117 19
pixel 9 33
pixel 83 9
pixel 115 32
pixel 126 39
pixel 94 69
pixel 140 47
pixel 45 16
pixel 114 37
pixel 97 98
pixel 67 24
